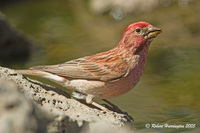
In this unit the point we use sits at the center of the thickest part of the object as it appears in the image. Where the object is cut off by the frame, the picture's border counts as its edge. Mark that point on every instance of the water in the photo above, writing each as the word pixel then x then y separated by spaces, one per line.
pixel 168 92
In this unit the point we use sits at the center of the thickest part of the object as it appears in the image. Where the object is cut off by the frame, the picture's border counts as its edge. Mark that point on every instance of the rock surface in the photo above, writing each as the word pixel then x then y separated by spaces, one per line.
pixel 51 109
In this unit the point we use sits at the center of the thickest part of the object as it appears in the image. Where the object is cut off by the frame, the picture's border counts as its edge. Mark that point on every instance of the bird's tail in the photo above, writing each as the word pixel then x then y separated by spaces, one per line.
pixel 32 72
pixel 50 76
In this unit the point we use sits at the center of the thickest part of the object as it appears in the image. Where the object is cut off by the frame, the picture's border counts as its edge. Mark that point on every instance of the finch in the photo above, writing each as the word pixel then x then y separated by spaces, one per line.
pixel 104 75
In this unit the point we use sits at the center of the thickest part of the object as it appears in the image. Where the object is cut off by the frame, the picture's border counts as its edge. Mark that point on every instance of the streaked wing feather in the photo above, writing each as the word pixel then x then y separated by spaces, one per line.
pixel 86 69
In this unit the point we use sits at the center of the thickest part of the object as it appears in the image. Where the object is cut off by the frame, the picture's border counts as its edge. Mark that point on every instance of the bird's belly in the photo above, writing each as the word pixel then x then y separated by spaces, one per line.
pixel 105 90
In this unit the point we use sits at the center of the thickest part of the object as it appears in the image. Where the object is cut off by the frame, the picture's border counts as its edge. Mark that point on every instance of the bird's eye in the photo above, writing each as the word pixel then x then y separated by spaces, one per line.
pixel 138 30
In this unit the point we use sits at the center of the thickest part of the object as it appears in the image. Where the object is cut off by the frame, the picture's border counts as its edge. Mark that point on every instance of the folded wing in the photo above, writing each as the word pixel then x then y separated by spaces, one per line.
pixel 84 68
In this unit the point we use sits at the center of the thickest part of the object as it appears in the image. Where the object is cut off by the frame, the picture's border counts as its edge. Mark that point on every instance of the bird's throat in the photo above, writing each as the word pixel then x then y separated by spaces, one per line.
pixel 141 47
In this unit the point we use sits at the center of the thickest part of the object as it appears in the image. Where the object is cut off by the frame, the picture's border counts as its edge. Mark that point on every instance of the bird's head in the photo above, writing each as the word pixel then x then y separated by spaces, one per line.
pixel 138 34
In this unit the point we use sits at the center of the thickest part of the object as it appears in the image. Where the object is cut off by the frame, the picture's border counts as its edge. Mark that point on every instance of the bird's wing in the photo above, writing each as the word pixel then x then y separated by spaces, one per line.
pixel 84 68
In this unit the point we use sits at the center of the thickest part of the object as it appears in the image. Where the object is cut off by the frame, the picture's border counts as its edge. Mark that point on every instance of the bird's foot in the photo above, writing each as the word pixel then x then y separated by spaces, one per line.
pixel 115 108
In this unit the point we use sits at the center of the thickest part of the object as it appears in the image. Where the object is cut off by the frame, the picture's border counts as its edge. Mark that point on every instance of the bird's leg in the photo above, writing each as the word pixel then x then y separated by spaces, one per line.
pixel 115 107
pixel 100 107
pixel 89 100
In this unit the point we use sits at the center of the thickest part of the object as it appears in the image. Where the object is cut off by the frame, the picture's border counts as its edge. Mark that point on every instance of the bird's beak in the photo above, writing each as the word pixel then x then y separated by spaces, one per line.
pixel 152 32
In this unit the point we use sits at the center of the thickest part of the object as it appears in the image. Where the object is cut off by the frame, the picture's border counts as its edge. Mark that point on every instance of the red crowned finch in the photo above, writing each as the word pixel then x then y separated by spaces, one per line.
pixel 107 74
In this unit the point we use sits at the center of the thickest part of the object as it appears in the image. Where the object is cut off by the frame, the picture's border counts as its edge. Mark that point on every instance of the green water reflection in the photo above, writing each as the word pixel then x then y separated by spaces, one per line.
pixel 169 89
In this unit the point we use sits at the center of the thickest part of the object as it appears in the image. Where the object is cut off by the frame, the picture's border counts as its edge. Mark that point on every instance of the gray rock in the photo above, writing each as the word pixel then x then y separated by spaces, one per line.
pixel 13 44
pixel 69 115
pixel 18 113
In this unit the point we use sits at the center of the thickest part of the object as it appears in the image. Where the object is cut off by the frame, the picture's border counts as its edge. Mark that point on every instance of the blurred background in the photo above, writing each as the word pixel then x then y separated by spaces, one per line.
pixel 61 30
